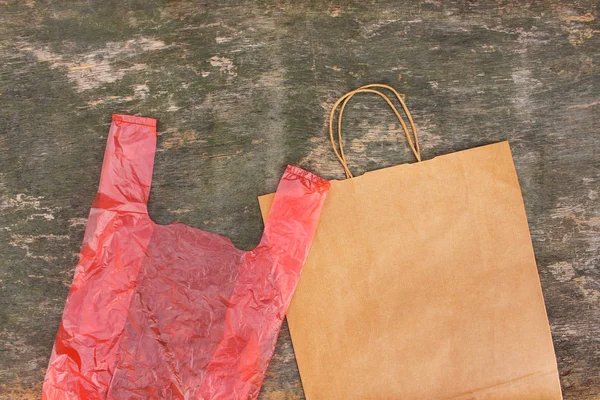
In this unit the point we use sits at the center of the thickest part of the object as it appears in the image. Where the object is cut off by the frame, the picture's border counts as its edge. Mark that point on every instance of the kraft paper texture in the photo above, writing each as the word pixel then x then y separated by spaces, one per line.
pixel 422 284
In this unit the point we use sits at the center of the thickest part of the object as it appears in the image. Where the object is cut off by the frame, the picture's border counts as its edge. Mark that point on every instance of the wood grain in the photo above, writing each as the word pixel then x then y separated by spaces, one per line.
pixel 242 88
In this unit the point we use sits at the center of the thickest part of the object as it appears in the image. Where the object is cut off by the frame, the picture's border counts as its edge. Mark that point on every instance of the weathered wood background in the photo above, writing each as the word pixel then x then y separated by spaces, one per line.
pixel 242 88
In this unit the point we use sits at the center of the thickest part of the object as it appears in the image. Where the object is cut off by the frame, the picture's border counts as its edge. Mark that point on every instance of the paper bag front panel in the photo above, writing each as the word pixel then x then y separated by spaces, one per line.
pixel 422 284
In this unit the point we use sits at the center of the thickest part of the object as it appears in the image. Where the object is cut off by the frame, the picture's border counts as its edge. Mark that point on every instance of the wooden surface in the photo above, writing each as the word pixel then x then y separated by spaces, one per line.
pixel 240 90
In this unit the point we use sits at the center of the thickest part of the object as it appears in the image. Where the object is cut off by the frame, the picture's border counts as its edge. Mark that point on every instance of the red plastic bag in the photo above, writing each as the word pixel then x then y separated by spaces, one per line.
pixel 169 311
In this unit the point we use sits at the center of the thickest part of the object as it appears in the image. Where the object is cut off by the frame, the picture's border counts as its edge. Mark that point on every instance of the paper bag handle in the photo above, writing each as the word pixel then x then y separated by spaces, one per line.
pixel 414 145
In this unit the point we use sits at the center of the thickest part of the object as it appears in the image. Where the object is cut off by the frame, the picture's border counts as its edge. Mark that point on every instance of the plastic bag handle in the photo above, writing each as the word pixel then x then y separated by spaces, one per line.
pixel 414 145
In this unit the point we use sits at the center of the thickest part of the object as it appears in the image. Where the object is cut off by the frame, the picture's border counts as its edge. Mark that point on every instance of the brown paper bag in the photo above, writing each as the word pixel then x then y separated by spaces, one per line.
pixel 422 284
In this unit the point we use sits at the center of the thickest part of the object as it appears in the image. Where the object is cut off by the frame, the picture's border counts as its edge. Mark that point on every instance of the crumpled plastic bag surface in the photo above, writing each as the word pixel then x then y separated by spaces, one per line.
pixel 170 311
